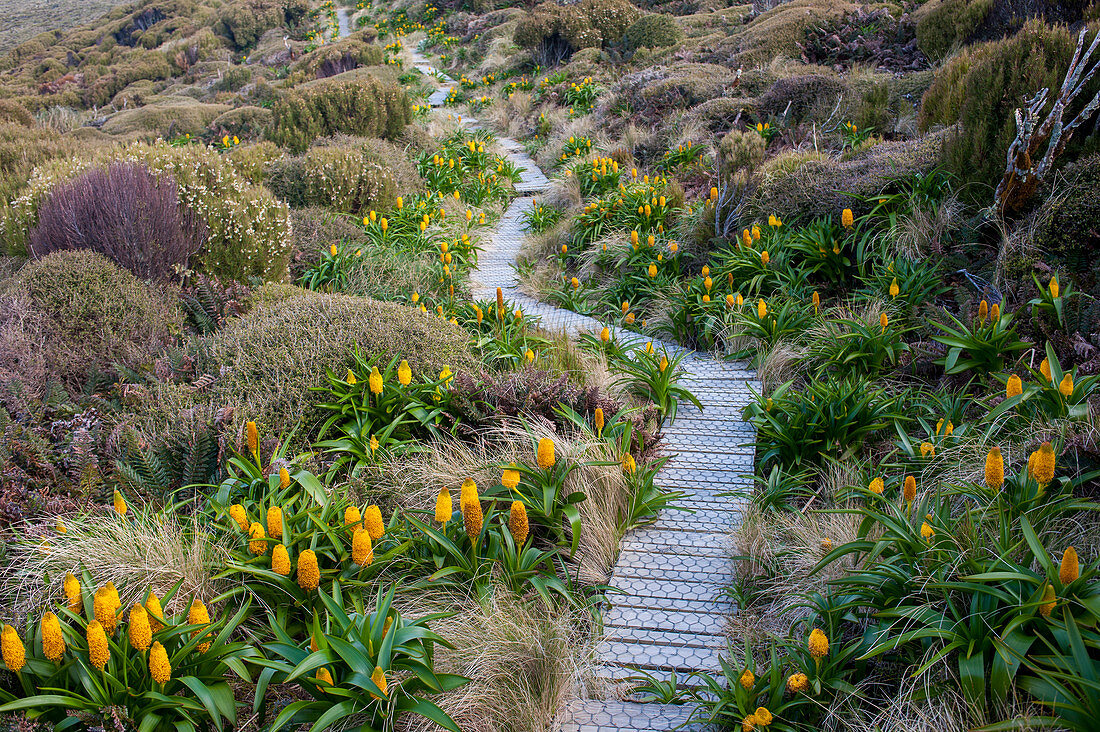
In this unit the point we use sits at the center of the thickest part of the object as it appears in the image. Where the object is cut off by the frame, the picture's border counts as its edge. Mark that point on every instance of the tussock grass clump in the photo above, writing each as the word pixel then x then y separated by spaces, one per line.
pixel 139 551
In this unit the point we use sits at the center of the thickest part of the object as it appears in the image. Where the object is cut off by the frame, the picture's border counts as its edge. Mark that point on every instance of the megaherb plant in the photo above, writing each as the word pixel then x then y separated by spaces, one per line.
pixel 361 665
pixel 1050 393
pixel 654 376
pixel 983 345
pixel 165 672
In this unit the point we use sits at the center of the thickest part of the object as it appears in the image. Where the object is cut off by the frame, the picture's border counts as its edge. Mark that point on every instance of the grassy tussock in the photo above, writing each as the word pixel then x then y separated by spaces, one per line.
pixel 137 551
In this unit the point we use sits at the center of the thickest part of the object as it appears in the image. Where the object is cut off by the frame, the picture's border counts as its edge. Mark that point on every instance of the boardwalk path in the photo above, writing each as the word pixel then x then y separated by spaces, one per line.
pixel 668 613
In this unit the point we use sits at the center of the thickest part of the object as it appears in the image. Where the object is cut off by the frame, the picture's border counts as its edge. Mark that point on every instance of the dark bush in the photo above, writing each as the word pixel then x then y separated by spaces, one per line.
pixel 1070 217
pixel 368 107
pixel 944 24
pixel 124 212
pixel 555 32
pixel 13 111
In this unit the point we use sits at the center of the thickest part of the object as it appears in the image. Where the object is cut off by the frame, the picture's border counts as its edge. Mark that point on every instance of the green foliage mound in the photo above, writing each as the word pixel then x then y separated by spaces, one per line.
pixel 369 107
pixel 76 315
pixel 276 353
pixel 563 30
pixel 248 227
pixel 654 30
pixel 348 175
pixel 981 88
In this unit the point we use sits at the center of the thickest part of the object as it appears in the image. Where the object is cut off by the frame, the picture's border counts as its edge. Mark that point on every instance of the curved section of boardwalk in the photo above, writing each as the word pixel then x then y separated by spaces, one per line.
pixel 668 612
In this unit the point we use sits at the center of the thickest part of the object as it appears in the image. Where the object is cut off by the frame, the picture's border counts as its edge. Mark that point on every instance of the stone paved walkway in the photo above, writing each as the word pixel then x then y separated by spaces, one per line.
pixel 668 612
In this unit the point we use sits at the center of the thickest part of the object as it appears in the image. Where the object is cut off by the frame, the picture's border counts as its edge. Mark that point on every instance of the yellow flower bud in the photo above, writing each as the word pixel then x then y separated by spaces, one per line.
pixel 545 453
pixel 309 573
pixel 159 667
pixel 517 522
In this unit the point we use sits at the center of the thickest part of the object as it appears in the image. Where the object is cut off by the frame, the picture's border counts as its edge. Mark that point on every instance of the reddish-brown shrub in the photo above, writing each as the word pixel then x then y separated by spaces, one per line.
pixel 124 212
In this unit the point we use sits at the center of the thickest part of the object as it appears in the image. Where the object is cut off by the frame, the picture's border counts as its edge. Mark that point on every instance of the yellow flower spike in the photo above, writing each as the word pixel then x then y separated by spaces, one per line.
pixel 309 573
pixel 545 453
pixel 119 504
pixel 472 516
pixel 634 237
pixel 798 683
pixel 352 515
pixel 379 679
pixel 674 247
pixel 747 680
pixel 995 313
pixel 761 309
pixel 1014 387
pixel 994 469
pixel 280 560
pixel 876 486
pixel 99 651
pixel 818 644
pixel 772 220
pixel 605 334
pixel 926 449
pixel 1044 369
pixel 443 506
pixel 748 724
pixel 375 380
pixel 159 667
pixel 708 283
pixel 1070 569
pixel 894 289
pixel 651 240
pixel 275 522
pixel 256 539
pixel 415 298
pixel 909 490
pixel 746 237
pixel 1043 469
pixel 740 300
pixel 253 437
pixel 372 520
pixel 15 655
pixel 846 218
pixel 763 716
pixel 1066 387
pixel 652 271
pixel 404 373
pixel 597 419
pixel 362 551
pixel 154 611
pixel 400 203
pixel 373 444
pixel 625 307
pixel 530 355
pixel 53 640
pixel 71 586
pixel 325 676
pixel 926 531
pixel 284 478
pixel 104 609
pixel 384 224
pixel 500 303
pixel 983 311
pixel 1054 287
pixel 140 630
pixel 816 299
pixel 629 464
pixel 883 321
pixel 332 250
pixel 664 364
pixel 350 378
pixel 1049 601
pixel 730 300
pixel 197 614
pixel 517 522
pixel 764 258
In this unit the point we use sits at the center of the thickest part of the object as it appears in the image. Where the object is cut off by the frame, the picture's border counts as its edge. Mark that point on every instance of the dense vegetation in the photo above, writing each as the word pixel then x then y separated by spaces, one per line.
pixel 266 462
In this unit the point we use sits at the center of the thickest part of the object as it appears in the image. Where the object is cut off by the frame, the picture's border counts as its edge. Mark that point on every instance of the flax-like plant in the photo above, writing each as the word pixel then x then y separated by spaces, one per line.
pixel 655 376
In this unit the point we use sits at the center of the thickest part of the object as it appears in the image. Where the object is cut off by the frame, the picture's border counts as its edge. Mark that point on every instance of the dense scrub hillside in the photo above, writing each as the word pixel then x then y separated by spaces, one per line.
pixel 266 461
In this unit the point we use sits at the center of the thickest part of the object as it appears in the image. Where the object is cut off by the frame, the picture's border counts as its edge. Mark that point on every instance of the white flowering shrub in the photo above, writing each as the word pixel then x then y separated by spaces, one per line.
pixel 249 229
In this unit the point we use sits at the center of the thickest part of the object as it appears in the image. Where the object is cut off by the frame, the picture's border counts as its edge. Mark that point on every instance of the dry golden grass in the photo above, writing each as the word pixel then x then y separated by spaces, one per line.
pixel 138 551
pixel 781 548
pixel 524 662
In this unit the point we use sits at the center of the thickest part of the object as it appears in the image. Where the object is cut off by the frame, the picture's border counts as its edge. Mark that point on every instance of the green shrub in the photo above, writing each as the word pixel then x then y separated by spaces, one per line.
pixel 248 227
pixel 652 31
pixel 253 159
pixel 779 31
pixel 800 97
pixel 554 32
pixel 166 119
pixel 21 149
pixel 244 23
pixel 367 107
pixel 348 175
pixel 335 58
pixel 943 23
pixel 810 185
pixel 276 353
pixel 247 123
pixel 981 88
pixel 12 111
pixel 85 313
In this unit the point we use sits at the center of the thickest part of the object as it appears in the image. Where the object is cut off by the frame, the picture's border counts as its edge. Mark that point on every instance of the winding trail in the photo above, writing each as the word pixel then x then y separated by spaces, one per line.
pixel 668 611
